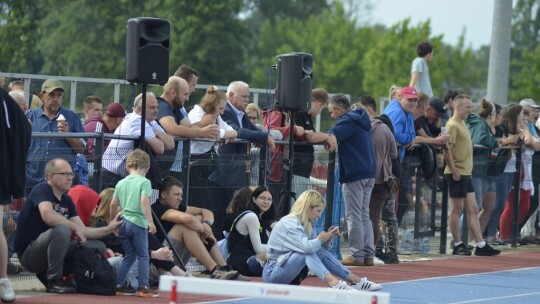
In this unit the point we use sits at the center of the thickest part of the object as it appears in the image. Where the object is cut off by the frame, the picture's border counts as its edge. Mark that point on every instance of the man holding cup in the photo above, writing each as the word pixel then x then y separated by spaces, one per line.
pixel 51 117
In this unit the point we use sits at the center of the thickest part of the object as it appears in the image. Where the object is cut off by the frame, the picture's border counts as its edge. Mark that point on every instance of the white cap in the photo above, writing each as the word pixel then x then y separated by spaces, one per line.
pixel 529 102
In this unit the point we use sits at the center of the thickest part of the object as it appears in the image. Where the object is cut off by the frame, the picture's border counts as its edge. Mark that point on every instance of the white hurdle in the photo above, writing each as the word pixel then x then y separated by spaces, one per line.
pixel 270 291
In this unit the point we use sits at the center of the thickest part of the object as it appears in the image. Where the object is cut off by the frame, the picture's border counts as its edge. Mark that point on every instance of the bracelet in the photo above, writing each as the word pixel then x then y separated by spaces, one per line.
pixel 207 222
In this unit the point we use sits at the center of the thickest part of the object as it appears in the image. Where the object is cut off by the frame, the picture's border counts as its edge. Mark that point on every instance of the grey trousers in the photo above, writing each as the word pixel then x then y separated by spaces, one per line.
pixel 357 195
pixel 48 251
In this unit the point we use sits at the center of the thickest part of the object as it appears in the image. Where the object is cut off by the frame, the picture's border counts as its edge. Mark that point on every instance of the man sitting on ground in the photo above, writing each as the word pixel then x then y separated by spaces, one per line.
pixel 49 227
pixel 190 228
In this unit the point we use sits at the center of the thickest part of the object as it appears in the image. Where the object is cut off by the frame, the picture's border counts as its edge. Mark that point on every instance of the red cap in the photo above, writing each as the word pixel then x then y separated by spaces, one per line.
pixel 409 92
pixel 115 110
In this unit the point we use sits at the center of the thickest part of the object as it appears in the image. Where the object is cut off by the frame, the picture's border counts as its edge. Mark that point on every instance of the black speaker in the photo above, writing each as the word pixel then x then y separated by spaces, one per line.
pixel 147 50
pixel 294 82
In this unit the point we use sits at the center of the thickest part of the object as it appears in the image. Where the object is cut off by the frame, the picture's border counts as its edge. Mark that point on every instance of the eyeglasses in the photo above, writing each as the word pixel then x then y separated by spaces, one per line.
pixel 67 174
pixel 412 99
pixel 252 117
pixel 264 198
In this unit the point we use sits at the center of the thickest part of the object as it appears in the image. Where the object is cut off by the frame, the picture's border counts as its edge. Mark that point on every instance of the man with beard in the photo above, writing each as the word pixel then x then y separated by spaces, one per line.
pixel 51 118
pixel 175 93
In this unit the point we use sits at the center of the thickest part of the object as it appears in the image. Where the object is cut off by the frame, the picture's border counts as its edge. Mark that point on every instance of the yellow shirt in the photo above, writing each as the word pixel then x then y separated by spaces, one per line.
pixel 462 149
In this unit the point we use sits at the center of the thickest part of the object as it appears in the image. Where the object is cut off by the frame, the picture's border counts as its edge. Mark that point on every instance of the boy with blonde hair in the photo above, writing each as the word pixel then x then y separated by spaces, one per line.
pixel 133 194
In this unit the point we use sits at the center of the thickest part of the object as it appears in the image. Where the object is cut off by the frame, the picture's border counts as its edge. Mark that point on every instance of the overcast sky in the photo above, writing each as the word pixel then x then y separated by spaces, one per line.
pixel 448 17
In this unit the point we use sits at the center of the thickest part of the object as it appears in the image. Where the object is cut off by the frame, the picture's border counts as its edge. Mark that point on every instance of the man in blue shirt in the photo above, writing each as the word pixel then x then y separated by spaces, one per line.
pixel 51 118
pixel 400 111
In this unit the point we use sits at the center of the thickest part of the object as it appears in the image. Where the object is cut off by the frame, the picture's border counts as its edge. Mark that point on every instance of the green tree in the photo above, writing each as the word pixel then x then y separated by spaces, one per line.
pixel 332 37
pixel 524 51
pixel 19 25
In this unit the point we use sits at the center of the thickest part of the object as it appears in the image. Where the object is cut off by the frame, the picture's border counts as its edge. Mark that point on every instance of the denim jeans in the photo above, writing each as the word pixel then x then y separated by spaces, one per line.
pixel 10 239
pixel 321 263
pixel 135 242
pixel 503 184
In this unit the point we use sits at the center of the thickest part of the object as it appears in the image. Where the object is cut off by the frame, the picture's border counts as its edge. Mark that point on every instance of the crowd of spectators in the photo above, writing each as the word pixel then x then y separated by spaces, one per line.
pixel 374 151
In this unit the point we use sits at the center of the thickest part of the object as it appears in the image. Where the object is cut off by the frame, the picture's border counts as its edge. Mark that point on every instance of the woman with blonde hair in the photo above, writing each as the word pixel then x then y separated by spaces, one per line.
pixel 204 154
pixel 294 247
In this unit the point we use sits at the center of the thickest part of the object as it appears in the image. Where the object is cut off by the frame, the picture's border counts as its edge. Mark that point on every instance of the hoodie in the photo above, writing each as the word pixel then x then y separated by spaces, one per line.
pixel 85 200
pixel 480 135
pixel 355 146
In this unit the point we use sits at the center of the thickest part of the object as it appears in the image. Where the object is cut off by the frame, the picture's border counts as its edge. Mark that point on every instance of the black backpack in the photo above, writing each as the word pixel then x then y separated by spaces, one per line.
pixel 93 273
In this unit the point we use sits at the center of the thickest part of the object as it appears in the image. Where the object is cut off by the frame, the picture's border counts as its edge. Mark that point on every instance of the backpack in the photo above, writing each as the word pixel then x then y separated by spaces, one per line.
pixel 93 273
pixel 223 244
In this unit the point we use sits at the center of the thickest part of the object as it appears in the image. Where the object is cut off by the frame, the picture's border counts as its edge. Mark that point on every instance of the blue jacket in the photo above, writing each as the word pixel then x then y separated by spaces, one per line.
pixel 403 123
pixel 355 146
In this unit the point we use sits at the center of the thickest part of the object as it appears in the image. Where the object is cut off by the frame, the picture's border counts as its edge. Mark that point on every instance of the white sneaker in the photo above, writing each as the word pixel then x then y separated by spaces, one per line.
pixel 365 284
pixel 341 285
pixel 377 261
pixel 6 292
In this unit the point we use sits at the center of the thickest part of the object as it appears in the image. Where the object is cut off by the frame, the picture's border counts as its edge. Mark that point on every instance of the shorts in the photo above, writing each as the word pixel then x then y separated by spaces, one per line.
pixel 460 188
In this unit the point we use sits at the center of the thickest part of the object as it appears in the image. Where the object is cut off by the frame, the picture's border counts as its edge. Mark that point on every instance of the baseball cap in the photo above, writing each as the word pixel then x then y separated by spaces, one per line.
pixel 409 92
pixel 115 109
pixel 528 102
pixel 51 84
pixel 437 104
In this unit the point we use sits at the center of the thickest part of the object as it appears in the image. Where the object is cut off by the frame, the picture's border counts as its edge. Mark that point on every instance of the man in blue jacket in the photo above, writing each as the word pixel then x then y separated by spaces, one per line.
pixel 352 132
pixel 400 111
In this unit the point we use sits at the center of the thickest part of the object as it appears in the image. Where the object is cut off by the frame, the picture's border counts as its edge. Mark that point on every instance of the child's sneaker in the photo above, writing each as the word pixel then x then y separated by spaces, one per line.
pixel 6 292
pixel 125 289
pixel 365 284
pixel 341 285
pixel 145 292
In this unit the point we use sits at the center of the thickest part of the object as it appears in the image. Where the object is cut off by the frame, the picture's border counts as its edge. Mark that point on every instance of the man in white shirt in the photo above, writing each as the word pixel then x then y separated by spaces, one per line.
pixel 157 140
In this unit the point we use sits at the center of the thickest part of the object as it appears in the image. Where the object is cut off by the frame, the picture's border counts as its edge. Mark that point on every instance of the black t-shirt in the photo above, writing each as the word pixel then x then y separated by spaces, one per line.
pixel 30 224
pixel 430 129
pixel 159 210
pixel 303 154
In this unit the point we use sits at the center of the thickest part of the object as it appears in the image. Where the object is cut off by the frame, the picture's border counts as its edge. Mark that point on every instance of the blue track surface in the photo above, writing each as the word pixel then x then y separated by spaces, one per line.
pixel 511 286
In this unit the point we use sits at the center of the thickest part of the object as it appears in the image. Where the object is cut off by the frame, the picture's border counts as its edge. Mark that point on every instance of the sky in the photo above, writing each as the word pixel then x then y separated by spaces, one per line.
pixel 448 17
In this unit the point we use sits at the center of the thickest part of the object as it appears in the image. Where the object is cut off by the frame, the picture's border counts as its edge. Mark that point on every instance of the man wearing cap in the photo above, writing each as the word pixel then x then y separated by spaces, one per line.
pixel 428 126
pixel 533 114
pixel 400 112
pixel 51 118
pixel 113 117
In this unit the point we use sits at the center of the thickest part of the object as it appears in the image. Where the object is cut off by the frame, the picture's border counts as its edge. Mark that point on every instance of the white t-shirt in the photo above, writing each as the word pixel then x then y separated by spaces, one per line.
pixel 423 84
pixel 200 147
pixel 114 158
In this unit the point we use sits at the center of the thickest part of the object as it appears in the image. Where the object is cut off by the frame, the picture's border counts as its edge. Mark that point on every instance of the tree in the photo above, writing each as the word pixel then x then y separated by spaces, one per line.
pixel 524 52
pixel 334 40
pixel 19 27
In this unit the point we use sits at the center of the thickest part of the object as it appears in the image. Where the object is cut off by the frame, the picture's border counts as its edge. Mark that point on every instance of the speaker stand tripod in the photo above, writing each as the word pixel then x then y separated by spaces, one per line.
pixel 287 194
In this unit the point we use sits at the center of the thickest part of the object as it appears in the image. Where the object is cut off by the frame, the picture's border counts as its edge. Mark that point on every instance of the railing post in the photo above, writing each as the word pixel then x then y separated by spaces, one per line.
pixel 98 163
pixel 515 211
